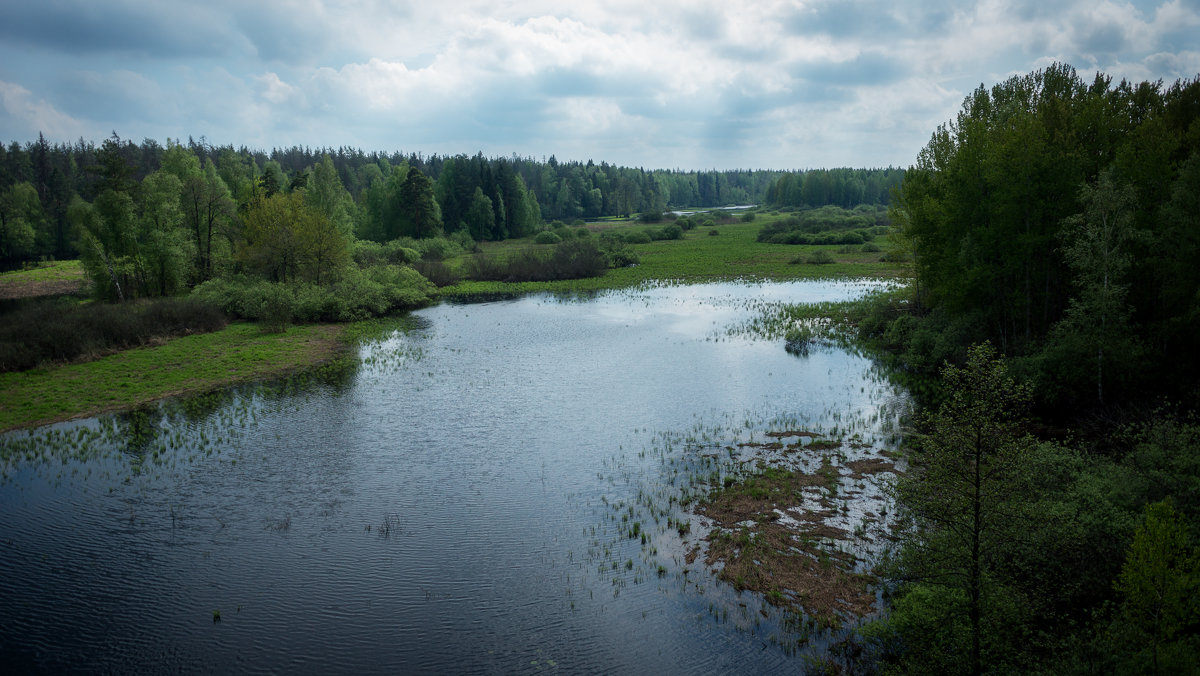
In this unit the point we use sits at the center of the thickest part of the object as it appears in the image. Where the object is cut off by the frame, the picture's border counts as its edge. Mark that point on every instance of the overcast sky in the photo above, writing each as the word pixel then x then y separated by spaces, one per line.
pixel 684 84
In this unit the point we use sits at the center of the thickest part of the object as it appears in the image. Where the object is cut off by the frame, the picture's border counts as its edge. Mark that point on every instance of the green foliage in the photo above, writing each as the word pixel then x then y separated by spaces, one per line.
pixel 287 240
pixel 636 237
pixel 964 496
pixel 547 237
pixel 21 218
pixel 569 259
pixel 820 257
pixel 61 330
pixel 1160 595
pixel 355 295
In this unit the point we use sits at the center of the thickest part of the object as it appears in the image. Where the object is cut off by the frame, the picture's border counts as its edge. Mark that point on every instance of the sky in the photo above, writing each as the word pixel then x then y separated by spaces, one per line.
pixel 660 84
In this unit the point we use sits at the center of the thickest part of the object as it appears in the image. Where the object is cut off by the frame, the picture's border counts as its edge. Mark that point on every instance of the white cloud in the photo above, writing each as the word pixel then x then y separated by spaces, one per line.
pixel 27 116
pixel 780 83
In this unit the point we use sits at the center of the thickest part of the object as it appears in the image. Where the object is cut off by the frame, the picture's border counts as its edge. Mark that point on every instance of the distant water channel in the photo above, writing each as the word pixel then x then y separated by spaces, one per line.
pixel 455 505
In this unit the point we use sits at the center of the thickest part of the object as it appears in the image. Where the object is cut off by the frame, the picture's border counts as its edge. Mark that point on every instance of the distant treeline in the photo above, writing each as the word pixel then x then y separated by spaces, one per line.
pixel 489 198
pixel 843 187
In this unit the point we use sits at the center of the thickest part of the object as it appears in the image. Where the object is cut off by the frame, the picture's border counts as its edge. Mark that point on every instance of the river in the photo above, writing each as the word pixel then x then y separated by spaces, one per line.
pixel 460 502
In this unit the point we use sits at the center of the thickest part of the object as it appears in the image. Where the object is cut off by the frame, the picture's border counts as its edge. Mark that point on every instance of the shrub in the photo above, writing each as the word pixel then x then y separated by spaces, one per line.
pixel 437 272
pixel 32 332
pixel 672 231
pixel 576 259
pixel 713 232
pixel 275 308
pixel 582 233
pixel 870 247
pixel 437 248
pixel 547 237
pixel 636 237
pixel 650 217
pixel 685 223
pixel 748 217
pixel 820 257
pixel 623 258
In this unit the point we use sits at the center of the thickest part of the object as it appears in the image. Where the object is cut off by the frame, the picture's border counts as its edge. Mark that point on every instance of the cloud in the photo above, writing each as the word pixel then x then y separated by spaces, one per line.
pixel 162 30
pixel 30 117
pixel 687 83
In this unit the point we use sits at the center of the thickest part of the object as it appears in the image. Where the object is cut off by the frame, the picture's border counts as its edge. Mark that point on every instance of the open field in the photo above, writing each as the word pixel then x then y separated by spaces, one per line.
pixel 45 279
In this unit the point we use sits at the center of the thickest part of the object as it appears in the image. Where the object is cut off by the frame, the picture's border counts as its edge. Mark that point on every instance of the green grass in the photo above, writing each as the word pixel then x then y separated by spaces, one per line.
pixel 52 271
pixel 196 363
pixel 698 257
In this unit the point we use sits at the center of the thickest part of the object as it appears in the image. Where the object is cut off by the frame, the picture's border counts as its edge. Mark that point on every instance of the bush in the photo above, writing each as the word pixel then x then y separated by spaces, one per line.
pixel 547 237
pixel 650 217
pixel 713 232
pixel 622 258
pixel 870 248
pixel 672 231
pixel 636 237
pixel 32 332
pixel 685 223
pixel 437 248
pixel 748 217
pixel 582 233
pixel 569 259
pixel 275 308
pixel 820 257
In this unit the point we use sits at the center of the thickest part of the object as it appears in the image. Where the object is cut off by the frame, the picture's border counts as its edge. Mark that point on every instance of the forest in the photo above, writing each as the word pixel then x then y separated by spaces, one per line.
pixel 1049 329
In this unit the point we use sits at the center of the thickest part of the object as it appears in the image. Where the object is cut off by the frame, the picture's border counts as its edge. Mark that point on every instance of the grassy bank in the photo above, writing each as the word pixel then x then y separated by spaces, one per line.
pixel 197 363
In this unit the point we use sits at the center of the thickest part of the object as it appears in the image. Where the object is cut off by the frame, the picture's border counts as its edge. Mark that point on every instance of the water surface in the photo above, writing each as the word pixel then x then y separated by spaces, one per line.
pixel 461 504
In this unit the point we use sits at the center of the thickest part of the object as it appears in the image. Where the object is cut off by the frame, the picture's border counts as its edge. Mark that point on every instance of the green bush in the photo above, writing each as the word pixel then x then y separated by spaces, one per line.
pixel 713 232
pixel 870 247
pixel 672 231
pixel 820 257
pixel 32 332
pixel 650 217
pixel 582 233
pixel 547 237
pixel 623 258
pixel 748 217
pixel 685 223
pixel 636 237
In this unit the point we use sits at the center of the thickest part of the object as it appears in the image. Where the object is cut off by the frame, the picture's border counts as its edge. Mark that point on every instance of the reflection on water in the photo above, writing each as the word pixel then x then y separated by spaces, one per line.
pixel 464 503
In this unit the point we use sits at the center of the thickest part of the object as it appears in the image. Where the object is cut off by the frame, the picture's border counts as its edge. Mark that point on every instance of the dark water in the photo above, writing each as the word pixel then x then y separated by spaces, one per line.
pixel 461 505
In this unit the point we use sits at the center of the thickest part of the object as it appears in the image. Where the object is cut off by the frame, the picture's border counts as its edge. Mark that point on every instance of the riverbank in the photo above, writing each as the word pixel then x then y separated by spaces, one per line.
pixel 241 352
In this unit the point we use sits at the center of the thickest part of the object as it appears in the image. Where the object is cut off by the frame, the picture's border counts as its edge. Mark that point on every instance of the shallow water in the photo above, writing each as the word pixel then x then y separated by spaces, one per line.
pixel 463 503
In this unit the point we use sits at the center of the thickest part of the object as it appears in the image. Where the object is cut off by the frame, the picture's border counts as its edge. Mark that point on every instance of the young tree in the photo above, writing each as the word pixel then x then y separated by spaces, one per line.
pixel 1160 588
pixel 962 495
pixel 480 218
pixel 1096 249
pixel 21 217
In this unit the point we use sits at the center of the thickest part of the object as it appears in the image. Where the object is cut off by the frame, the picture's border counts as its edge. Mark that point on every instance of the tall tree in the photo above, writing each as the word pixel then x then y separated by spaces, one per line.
pixel 419 216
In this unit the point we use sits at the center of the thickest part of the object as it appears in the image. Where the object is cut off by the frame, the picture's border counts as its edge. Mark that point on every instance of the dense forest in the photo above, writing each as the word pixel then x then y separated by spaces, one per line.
pixel 1052 507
